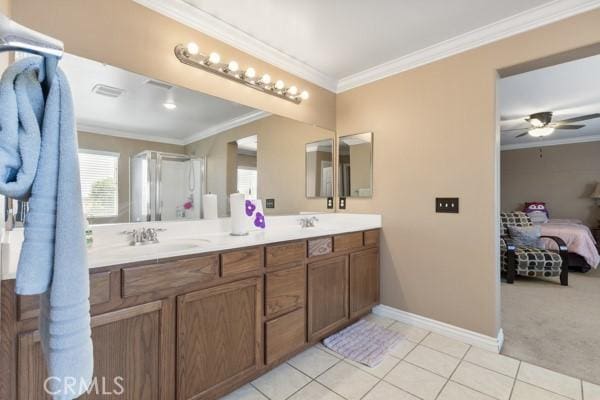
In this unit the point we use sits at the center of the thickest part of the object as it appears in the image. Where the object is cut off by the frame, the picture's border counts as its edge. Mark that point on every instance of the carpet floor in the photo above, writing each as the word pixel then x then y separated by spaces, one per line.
pixel 553 326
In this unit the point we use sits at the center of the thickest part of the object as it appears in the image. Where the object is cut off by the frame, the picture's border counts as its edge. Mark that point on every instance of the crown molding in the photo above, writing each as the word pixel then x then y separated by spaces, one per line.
pixel 510 26
pixel 224 126
pixel 83 126
pixel 527 20
pixel 204 22
pixel 544 143
pixel 100 130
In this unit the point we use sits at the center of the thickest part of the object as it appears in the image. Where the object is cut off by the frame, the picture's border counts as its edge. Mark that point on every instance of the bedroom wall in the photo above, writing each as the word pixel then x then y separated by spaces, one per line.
pixel 564 177
pixel 435 135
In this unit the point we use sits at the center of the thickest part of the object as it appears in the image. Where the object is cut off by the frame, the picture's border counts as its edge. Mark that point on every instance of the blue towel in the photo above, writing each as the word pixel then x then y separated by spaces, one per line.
pixel 39 162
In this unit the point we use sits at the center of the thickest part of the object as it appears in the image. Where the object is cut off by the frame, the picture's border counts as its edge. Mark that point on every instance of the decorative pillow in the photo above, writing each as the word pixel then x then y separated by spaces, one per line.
pixel 528 236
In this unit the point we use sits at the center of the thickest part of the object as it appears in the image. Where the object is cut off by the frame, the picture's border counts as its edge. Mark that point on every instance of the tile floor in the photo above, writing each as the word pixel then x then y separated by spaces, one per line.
pixel 424 366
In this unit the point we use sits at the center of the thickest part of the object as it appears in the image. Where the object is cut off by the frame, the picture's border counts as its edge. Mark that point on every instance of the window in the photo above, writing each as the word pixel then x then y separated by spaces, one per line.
pixel 99 182
pixel 247 181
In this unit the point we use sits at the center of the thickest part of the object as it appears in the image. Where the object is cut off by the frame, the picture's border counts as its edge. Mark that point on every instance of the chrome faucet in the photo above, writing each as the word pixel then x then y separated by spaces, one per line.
pixel 143 236
pixel 308 222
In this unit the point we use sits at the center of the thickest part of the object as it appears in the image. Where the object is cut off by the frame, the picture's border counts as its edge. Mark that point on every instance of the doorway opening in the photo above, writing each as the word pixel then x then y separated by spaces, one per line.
pixel 549 186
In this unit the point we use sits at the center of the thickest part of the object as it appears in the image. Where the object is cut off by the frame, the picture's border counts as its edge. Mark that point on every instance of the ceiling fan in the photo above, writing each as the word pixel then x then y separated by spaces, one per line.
pixel 540 124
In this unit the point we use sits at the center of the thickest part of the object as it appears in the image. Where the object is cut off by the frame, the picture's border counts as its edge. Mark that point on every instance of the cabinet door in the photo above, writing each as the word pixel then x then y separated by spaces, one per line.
pixel 364 281
pixel 132 356
pixel 327 295
pixel 219 338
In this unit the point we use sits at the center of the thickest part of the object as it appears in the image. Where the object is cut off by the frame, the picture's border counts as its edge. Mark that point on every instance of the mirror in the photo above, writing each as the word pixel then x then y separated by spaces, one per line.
pixel 355 165
pixel 150 150
pixel 319 169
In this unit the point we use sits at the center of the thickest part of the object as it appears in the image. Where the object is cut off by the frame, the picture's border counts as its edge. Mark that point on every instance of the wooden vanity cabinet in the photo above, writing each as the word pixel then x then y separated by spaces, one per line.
pixel 327 296
pixel 200 326
pixel 219 337
pixel 131 343
pixel 364 281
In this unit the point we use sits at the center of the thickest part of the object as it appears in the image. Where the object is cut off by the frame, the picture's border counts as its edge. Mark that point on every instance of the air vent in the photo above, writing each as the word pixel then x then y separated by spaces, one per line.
pixel 159 84
pixel 108 91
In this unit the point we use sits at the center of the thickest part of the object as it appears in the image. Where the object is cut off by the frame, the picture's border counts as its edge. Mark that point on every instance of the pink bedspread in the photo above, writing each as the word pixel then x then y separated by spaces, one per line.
pixel 578 238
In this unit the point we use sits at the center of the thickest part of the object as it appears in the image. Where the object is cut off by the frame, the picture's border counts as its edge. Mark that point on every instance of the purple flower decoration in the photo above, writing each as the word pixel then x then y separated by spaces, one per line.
pixel 259 220
pixel 250 207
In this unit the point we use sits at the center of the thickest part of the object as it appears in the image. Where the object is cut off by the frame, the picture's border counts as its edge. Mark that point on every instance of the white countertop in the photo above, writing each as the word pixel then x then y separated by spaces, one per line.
pixel 191 237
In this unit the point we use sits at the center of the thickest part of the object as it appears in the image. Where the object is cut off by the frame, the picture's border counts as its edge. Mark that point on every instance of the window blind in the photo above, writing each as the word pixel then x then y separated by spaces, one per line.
pixel 99 183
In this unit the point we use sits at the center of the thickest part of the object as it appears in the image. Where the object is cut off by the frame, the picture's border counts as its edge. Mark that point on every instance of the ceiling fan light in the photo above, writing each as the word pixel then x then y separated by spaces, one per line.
pixel 541 132
pixel 536 123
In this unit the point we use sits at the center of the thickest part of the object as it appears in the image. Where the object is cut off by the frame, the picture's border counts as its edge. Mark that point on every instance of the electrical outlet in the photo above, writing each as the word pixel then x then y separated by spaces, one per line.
pixel 330 203
pixel 446 205
pixel 342 205
pixel 270 203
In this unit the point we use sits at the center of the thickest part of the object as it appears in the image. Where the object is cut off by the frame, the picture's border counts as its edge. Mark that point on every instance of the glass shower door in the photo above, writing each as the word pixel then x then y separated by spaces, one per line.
pixel 179 187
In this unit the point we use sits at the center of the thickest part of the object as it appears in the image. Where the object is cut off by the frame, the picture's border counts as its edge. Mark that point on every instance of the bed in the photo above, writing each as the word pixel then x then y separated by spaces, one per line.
pixel 583 253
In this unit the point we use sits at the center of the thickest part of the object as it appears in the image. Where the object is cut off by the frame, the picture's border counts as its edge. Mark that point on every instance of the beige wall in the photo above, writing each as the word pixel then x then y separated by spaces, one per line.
pixel 129 36
pixel 126 148
pixel 4 57
pixel 280 162
pixel 564 178
pixel 434 135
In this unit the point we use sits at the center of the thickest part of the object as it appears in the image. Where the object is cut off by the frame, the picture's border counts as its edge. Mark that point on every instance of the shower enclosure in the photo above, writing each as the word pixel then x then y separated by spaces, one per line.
pixel 166 186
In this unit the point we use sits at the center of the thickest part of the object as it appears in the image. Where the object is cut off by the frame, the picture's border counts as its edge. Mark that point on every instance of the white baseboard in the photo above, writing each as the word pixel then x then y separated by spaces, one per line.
pixel 489 343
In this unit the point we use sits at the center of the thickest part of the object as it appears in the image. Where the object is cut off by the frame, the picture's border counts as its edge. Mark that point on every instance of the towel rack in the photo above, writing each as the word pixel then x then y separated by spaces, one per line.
pixel 16 37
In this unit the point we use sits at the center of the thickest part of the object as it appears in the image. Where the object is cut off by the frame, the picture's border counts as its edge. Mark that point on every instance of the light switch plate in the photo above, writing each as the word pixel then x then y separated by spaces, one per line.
pixel 446 205
pixel 270 203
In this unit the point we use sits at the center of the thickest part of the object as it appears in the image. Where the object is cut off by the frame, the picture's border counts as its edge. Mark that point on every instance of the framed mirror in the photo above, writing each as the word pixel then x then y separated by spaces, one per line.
pixel 355 165
pixel 319 169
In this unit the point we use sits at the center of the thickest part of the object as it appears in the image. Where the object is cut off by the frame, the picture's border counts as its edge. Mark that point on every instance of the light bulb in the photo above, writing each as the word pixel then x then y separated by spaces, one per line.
pixel 279 84
pixel 540 132
pixel 293 90
pixel 266 79
pixel 192 48
pixel 304 95
pixel 250 73
pixel 214 58
pixel 536 123
pixel 233 66
pixel 169 105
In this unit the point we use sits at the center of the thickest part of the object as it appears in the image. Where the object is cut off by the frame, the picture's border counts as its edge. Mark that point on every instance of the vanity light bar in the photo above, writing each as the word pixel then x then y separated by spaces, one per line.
pixel 190 55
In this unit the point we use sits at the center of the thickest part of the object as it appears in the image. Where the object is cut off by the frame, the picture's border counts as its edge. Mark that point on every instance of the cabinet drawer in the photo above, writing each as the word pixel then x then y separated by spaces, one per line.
pixel 372 237
pixel 286 253
pixel 285 334
pixel 240 262
pixel 320 247
pixel 29 306
pixel 348 241
pixel 285 290
pixel 169 275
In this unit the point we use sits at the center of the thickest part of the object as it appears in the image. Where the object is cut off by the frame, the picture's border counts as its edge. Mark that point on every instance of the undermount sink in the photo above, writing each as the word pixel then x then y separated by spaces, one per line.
pixel 166 246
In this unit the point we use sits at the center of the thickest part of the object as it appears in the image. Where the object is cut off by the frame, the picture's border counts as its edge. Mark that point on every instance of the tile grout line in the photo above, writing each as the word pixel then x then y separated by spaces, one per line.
pixel 546 389
pixel 512 389
pixel 453 371
pixel 258 390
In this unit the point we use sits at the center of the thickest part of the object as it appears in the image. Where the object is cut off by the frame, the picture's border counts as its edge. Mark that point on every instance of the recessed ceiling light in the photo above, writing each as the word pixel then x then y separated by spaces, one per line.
pixel 169 105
